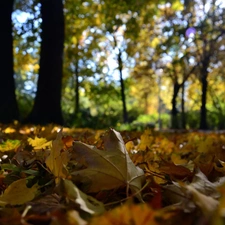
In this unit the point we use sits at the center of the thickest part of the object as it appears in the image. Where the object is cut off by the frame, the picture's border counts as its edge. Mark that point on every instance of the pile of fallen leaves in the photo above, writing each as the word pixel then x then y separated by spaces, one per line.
pixel 51 175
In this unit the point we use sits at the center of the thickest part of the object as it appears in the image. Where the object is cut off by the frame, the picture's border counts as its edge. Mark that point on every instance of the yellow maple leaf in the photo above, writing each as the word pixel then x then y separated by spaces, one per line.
pixel 39 143
pixel 18 193
pixel 9 145
pixel 146 141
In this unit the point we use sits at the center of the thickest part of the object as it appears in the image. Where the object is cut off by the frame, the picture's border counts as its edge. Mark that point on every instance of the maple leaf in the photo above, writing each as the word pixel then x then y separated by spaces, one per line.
pixel 9 145
pixel 39 143
pixel 58 159
pixel 108 169
pixel 18 193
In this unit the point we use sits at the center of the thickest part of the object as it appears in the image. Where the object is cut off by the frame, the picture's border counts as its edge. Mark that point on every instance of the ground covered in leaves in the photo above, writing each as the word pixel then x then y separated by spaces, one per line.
pixel 53 175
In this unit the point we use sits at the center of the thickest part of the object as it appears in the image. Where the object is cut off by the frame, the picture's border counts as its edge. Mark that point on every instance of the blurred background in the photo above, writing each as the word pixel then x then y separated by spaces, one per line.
pixel 127 64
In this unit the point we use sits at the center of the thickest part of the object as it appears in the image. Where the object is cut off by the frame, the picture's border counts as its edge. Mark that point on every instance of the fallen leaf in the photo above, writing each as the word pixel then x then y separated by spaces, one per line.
pixel 201 183
pixel 10 216
pixel 74 218
pixel 175 171
pixel 9 145
pixel 58 159
pixel 108 169
pixel 128 213
pixel 86 203
pixel 18 193
pixel 39 143
pixel 207 204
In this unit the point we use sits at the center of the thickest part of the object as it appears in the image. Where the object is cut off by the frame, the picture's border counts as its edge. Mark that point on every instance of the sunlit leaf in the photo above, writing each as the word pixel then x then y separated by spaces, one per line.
pixel 58 159
pixel 39 143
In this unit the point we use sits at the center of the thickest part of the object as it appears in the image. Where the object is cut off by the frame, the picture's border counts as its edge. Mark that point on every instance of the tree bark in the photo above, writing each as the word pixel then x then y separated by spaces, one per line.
pixel 76 78
pixel 123 96
pixel 8 109
pixel 174 112
pixel 183 117
pixel 204 82
pixel 77 96
pixel 47 105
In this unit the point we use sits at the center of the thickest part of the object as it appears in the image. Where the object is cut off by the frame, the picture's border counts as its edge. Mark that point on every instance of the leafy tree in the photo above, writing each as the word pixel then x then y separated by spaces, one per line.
pixel 81 45
pixel 47 105
pixel 117 22
pixel 26 36
pixel 9 108
pixel 178 51
pixel 210 30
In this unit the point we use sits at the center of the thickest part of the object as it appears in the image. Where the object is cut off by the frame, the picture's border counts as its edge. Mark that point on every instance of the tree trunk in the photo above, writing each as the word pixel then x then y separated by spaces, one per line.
pixel 183 117
pixel 204 82
pixel 76 78
pixel 174 111
pixel 47 105
pixel 123 96
pixel 8 109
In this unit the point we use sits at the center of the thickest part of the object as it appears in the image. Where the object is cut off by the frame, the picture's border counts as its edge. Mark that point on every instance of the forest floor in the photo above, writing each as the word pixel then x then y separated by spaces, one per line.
pixel 52 175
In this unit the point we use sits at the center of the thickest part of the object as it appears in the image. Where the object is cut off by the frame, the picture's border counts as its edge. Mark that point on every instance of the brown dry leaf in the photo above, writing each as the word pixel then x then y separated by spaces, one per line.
pixel 58 159
pixel 18 193
pixel 10 216
pixel 175 171
pixel 108 169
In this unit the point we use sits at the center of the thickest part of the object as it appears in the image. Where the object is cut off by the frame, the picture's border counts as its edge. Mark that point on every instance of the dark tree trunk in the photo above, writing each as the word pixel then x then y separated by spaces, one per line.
pixel 174 112
pixel 123 96
pixel 183 117
pixel 47 105
pixel 77 97
pixel 204 82
pixel 8 106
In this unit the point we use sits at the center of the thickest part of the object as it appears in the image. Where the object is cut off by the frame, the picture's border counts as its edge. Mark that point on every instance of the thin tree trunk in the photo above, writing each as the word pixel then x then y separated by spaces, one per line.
pixel 8 108
pixel 174 111
pixel 123 96
pixel 204 82
pixel 77 97
pixel 183 117
pixel 47 105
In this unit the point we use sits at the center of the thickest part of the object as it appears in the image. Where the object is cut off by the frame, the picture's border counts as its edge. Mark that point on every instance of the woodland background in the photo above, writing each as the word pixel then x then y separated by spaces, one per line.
pixel 113 63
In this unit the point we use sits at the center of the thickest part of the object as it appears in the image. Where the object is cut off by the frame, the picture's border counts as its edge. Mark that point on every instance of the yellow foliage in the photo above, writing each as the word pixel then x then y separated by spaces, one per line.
pixel 39 143
pixel 58 159
pixel 127 214
pixel 130 146
pixel 9 145
pixel 146 140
